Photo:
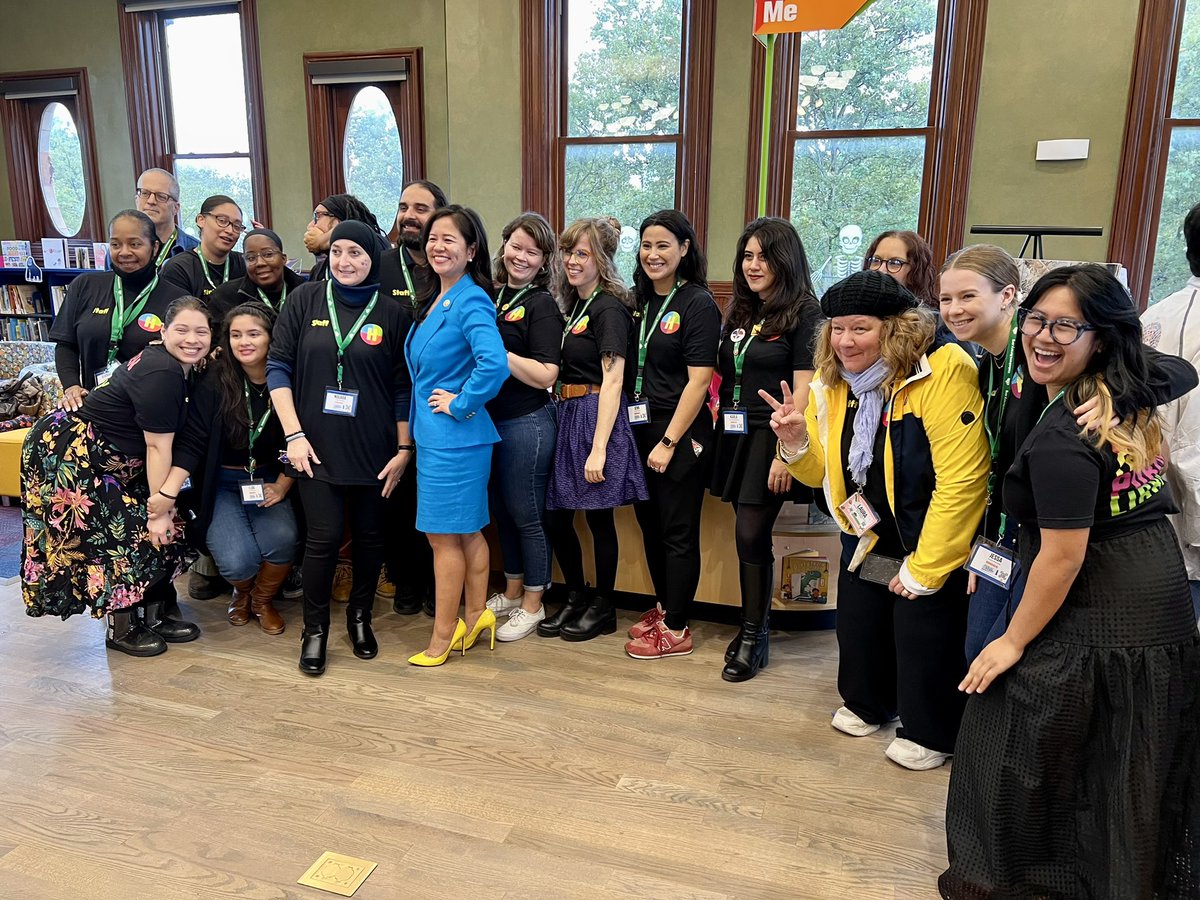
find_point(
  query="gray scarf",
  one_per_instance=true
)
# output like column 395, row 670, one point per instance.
column 867, row 386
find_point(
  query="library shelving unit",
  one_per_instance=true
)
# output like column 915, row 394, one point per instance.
column 28, row 308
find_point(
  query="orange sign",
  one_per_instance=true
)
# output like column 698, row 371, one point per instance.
column 786, row 16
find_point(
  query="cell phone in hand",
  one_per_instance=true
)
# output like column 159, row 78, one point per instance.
column 879, row 569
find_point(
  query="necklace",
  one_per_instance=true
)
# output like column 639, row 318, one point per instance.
column 258, row 392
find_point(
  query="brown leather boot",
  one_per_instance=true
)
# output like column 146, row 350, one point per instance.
column 239, row 602
column 270, row 578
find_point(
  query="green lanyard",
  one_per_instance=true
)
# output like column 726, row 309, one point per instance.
column 207, row 273
column 255, row 430
column 505, row 308
column 576, row 319
column 263, row 297
column 644, row 342
column 412, row 293
column 344, row 342
column 166, row 250
column 121, row 318
column 1010, row 356
column 739, row 360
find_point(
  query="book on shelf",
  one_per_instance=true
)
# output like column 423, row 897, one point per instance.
column 58, row 296
column 54, row 253
column 15, row 253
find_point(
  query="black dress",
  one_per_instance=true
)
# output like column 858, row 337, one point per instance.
column 1077, row 773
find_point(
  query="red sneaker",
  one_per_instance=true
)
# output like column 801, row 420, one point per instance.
column 659, row 642
column 646, row 622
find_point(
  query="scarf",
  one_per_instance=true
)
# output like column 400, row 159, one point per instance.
column 867, row 386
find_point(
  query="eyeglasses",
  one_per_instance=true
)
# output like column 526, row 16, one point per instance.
column 267, row 256
column 224, row 222
column 1063, row 332
column 893, row 265
column 143, row 194
column 317, row 216
column 580, row 256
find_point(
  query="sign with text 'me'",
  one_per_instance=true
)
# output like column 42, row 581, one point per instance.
column 786, row 16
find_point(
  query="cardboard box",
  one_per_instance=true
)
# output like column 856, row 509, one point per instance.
column 805, row 578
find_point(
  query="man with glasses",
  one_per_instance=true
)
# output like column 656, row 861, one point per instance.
column 157, row 195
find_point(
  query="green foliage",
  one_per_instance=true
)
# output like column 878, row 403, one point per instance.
column 1181, row 191
column 199, row 179
column 1186, row 103
column 371, row 155
column 66, row 173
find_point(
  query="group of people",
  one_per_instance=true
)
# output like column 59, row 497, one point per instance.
column 1009, row 586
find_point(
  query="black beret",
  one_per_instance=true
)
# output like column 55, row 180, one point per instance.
column 867, row 293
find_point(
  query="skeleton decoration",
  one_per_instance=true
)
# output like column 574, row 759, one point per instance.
column 843, row 263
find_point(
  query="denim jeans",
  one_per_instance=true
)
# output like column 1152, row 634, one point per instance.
column 991, row 607
column 520, row 470
column 242, row 536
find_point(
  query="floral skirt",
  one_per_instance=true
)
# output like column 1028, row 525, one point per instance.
column 86, row 543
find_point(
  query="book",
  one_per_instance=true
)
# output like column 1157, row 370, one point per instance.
column 15, row 253
column 100, row 255
column 54, row 253
column 58, row 296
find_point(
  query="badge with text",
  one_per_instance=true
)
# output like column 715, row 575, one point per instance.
column 859, row 513
column 734, row 421
column 340, row 403
column 150, row 322
column 252, row 490
column 639, row 413
column 102, row 375
column 991, row 562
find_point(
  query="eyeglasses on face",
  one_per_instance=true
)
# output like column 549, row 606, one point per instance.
column 143, row 194
column 319, row 215
column 580, row 256
column 224, row 222
column 1063, row 332
column 893, row 265
column 267, row 256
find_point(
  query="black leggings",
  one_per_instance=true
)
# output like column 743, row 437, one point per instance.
column 570, row 555
column 670, row 523
column 752, row 531
column 326, row 506
column 407, row 552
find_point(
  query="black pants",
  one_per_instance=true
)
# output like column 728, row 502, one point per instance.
column 407, row 552
column 570, row 555
column 904, row 657
column 670, row 523
column 327, row 506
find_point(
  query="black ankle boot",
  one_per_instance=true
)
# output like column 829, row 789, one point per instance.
column 753, row 645
column 206, row 587
column 733, row 645
column 571, row 610
column 125, row 633
column 156, row 616
column 599, row 618
column 407, row 602
column 362, row 638
column 312, row 650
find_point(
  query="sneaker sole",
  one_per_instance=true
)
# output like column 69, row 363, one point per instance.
column 660, row 655
column 516, row 637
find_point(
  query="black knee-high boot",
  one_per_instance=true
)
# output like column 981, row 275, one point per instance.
column 751, row 651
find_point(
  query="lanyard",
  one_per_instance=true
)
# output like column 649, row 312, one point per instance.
column 576, row 319
column 505, row 308
column 282, row 297
column 207, row 273
column 739, row 360
column 255, row 430
column 644, row 342
column 1004, row 516
column 344, row 342
column 166, row 250
column 121, row 318
column 1010, row 355
column 412, row 293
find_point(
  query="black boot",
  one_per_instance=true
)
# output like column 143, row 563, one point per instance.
column 407, row 602
column 599, row 618
column 206, row 587
column 429, row 603
column 125, row 633
column 312, row 649
column 571, row 610
column 159, row 616
column 733, row 645
column 362, row 638
column 752, row 649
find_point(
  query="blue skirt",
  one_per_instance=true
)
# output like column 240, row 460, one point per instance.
column 624, row 481
column 452, row 494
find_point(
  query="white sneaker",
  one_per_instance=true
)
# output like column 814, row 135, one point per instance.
column 520, row 624
column 499, row 604
column 904, row 752
column 848, row 722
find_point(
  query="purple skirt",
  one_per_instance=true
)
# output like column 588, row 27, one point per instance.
column 624, row 482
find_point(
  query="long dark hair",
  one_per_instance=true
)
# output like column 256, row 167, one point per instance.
column 348, row 208
column 693, row 267
column 793, row 279
column 479, row 268
column 922, row 279
column 231, row 376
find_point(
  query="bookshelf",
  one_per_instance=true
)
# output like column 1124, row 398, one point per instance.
column 28, row 309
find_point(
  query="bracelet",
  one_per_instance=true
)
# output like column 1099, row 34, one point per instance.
column 168, row 496
column 412, row 447
column 288, row 438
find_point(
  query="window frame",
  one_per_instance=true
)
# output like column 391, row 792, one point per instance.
column 1145, row 148
column 544, row 99
column 148, row 96
column 949, row 130
column 22, row 123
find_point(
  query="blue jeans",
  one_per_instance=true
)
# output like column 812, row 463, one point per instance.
column 520, row 471
column 1195, row 586
column 242, row 537
column 991, row 607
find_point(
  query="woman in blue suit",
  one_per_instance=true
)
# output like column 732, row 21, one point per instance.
column 458, row 363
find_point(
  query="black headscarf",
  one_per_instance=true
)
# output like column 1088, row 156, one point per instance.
column 361, row 234
column 267, row 233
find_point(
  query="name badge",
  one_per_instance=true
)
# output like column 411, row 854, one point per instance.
column 252, row 490
column 639, row 413
column 102, row 375
column 340, row 403
column 859, row 512
column 735, row 421
column 991, row 562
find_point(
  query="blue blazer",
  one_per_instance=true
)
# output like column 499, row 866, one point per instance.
column 456, row 348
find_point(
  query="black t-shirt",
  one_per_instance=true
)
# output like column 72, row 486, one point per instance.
column 687, row 335
column 83, row 326
column 1026, row 400
column 235, row 448
column 531, row 327
column 769, row 360
column 148, row 393
column 1060, row 480
column 237, row 291
column 391, row 278
column 875, row 490
column 187, row 273
column 351, row 450
column 603, row 328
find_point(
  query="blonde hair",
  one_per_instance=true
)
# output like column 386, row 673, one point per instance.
column 1136, row 441
column 903, row 340
column 603, row 233
column 993, row 263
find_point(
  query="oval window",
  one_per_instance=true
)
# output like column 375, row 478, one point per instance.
column 60, row 169
column 371, row 155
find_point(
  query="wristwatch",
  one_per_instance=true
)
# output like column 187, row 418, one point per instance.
column 667, row 442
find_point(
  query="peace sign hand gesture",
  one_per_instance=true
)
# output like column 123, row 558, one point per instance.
column 786, row 421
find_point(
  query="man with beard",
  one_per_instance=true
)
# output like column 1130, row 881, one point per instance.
column 403, row 275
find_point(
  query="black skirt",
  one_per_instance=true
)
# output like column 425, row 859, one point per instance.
column 1077, row 773
column 741, row 466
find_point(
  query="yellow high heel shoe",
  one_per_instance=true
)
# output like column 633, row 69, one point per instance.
column 420, row 659
column 487, row 619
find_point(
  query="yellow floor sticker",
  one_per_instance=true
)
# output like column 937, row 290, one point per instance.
column 337, row 874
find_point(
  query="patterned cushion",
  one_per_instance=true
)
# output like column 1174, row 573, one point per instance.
column 16, row 355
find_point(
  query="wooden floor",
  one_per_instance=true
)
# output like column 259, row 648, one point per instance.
column 544, row 769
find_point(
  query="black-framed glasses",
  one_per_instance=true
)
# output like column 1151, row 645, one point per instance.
column 893, row 265
column 267, row 256
column 224, row 222
column 143, row 194
column 318, row 216
column 1063, row 332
